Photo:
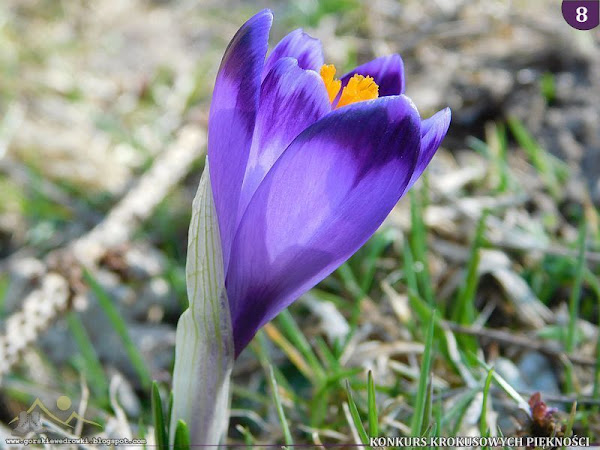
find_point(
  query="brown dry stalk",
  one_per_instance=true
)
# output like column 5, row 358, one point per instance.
column 504, row 337
column 55, row 289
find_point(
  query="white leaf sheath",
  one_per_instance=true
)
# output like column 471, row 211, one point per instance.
column 204, row 350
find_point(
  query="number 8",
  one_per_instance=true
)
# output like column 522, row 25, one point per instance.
column 581, row 14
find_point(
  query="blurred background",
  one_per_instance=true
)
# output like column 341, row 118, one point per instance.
column 103, row 109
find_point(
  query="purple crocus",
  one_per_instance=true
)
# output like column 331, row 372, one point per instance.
column 304, row 167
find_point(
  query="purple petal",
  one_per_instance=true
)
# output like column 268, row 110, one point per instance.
column 324, row 197
column 299, row 45
column 433, row 131
column 231, row 119
column 291, row 99
column 387, row 71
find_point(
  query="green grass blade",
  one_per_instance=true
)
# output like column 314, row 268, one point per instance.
column 457, row 411
column 292, row 330
column 596, row 391
column 352, row 286
column 287, row 436
column 570, row 422
column 364, row 437
column 494, row 149
column 248, row 438
column 506, row 387
column 465, row 302
column 329, row 359
column 419, row 410
column 502, row 152
column 501, row 434
column 373, row 417
column 547, row 166
column 409, row 268
column 141, row 431
column 479, row 146
column 319, row 406
column 4, row 285
column 92, row 366
column 350, row 281
column 169, row 415
column 548, row 86
column 437, row 413
column 576, row 292
column 335, row 373
column 259, row 346
column 290, row 350
column 418, row 238
column 376, row 246
column 427, row 413
column 160, row 426
column 341, row 374
column 574, row 302
column 594, row 284
column 182, row 436
column 121, row 328
column 484, row 429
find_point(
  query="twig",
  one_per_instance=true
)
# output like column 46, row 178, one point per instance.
column 39, row 308
column 45, row 303
column 58, row 430
column 168, row 169
column 567, row 399
column 557, row 398
column 527, row 342
column 85, row 395
column 124, row 428
column 555, row 250
column 350, row 421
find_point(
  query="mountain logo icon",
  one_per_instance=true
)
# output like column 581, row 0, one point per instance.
column 30, row 420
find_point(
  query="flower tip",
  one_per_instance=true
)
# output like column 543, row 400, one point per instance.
column 304, row 34
column 445, row 117
column 410, row 103
column 396, row 59
column 265, row 14
column 266, row 11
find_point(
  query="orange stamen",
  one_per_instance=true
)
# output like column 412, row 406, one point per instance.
column 359, row 87
column 331, row 84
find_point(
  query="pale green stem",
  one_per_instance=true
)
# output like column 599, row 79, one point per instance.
column 204, row 350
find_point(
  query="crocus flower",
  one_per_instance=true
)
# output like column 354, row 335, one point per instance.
column 304, row 167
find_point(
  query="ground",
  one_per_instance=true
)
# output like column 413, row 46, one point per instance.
column 500, row 237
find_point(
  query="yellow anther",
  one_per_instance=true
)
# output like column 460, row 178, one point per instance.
column 331, row 84
column 359, row 88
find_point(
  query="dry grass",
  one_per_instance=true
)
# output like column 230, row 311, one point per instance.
column 91, row 94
